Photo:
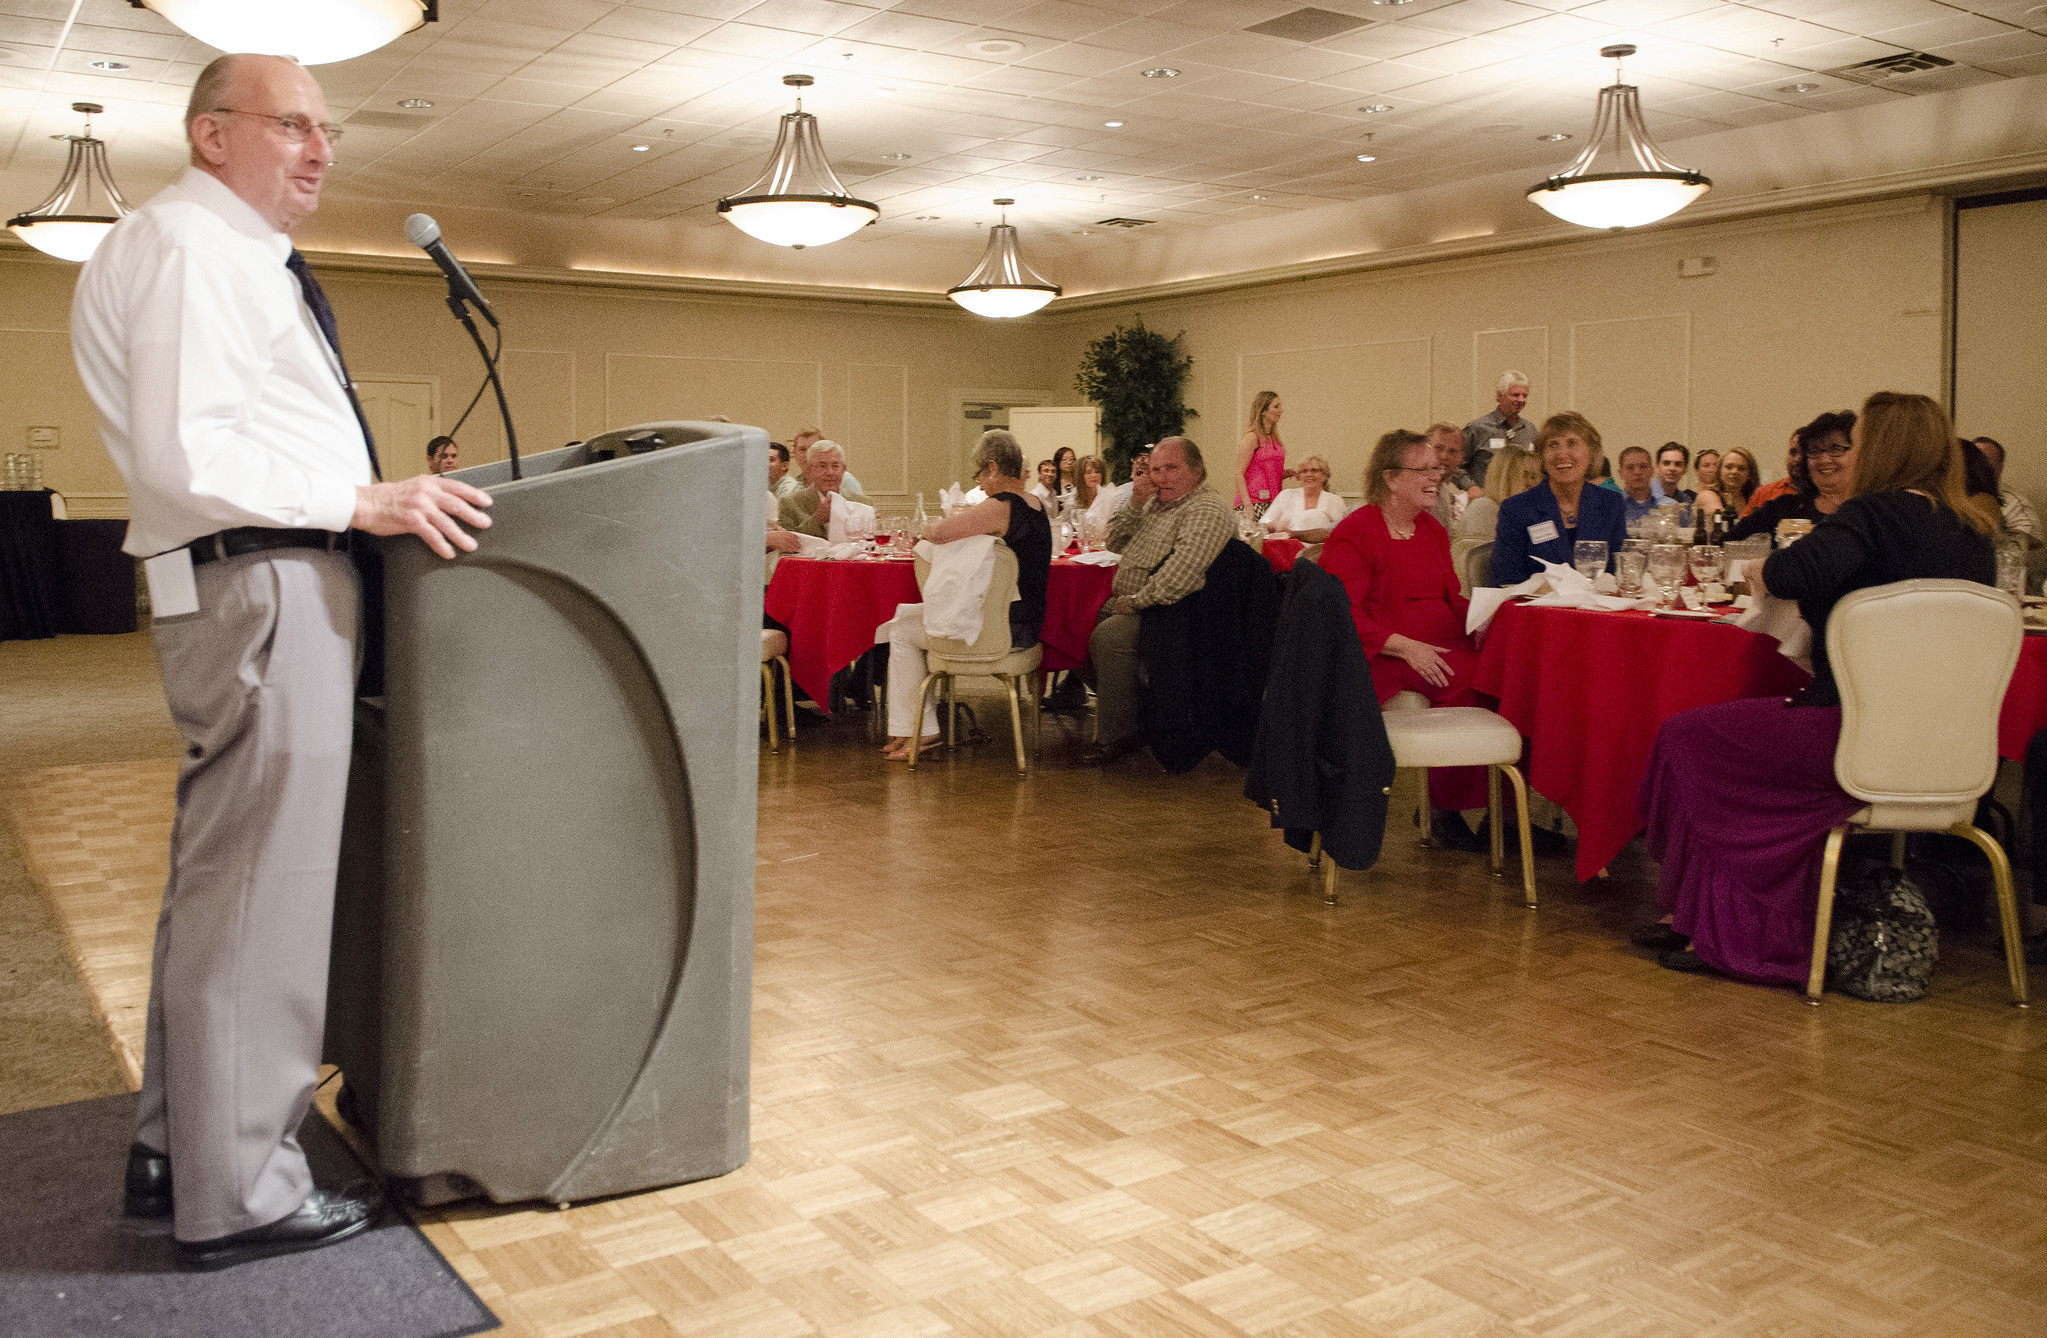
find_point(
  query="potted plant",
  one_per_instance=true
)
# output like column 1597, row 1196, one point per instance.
column 1136, row 375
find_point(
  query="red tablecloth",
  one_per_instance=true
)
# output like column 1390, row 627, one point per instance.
column 832, row 608
column 1282, row 552
column 1589, row 690
column 2025, row 700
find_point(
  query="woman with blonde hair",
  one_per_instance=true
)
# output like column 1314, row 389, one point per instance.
column 1735, row 485
column 1740, row 796
column 1393, row 557
column 1261, row 456
column 1307, row 512
column 1512, row 472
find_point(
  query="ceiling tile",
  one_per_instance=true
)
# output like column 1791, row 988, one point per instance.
column 742, row 39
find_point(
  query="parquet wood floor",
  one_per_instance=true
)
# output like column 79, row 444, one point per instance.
column 1085, row 1054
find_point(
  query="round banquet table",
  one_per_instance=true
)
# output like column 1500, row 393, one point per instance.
column 1282, row 552
column 2025, row 699
column 1589, row 690
column 832, row 609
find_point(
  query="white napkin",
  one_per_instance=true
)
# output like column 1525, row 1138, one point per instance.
column 1781, row 619
column 811, row 547
column 950, row 500
column 1555, row 587
column 1099, row 558
column 844, row 513
column 957, row 585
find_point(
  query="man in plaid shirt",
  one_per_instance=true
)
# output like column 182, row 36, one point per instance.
column 1169, row 534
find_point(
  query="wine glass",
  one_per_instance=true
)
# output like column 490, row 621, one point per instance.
column 1629, row 569
column 1707, row 563
column 1589, row 557
column 1667, row 568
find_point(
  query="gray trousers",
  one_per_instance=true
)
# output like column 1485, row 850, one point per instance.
column 1112, row 650
column 260, row 681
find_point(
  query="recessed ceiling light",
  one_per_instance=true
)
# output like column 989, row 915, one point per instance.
column 1162, row 72
column 998, row 46
column 642, row 148
column 108, row 64
column 1500, row 129
column 1554, row 137
column 416, row 104
column 1112, row 125
column 884, row 92
column 1367, row 158
column 1392, row 2
column 897, row 157
column 595, row 199
column 1258, row 197
column 1374, row 108
column 927, row 218
column 1799, row 88
column 1087, row 178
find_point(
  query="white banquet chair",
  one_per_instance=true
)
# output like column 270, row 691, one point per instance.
column 1922, row 667
column 774, row 661
column 988, row 656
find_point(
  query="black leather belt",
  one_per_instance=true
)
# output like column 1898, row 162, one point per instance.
column 258, row 539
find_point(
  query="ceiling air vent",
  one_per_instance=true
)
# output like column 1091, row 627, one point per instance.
column 383, row 120
column 1126, row 222
column 1307, row 25
column 1890, row 67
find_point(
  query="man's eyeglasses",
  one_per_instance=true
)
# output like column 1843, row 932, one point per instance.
column 296, row 128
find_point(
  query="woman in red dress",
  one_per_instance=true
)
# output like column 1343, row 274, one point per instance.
column 1394, row 559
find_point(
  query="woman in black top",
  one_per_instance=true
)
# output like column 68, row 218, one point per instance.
column 1014, row 515
column 1739, row 796
column 1822, row 477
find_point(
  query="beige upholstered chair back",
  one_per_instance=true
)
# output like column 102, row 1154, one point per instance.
column 1922, row 667
column 993, row 642
column 1474, row 562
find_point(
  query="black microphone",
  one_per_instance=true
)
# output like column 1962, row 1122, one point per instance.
column 423, row 232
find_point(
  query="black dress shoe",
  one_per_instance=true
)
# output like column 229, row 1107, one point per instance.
column 1661, row 937
column 325, row 1218
column 1102, row 754
column 147, row 1192
column 1681, row 959
column 1448, row 828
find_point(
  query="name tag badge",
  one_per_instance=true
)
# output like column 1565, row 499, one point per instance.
column 172, row 592
column 1542, row 533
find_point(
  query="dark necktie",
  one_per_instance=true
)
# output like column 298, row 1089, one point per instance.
column 323, row 315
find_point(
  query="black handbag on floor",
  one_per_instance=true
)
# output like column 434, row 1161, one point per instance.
column 1884, row 944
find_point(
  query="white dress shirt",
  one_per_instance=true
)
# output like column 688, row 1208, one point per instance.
column 219, row 399
column 1290, row 511
column 1109, row 499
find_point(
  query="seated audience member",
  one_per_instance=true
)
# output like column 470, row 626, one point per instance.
column 1172, row 530
column 1044, row 489
column 443, row 456
column 1601, row 473
column 781, row 482
column 1063, row 461
column 1739, row 797
column 1543, row 523
column 1459, row 488
column 2020, row 517
column 1020, row 520
column 799, row 462
column 1393, row 558
column 1707, row 470
column 1671, row 463
column 1637, row 484
column 808, row 510
column 1820, row 474
column 1979, row 476
column 1512, row 473
column 1307, row 511
column 1103, row 498
column 1738, row 475
column 1766, row 493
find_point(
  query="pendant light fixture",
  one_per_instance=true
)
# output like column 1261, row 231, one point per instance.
column 1002, row 284
column 312, row 32
column 1647, row 186
column 798, row 201
column 78, row 215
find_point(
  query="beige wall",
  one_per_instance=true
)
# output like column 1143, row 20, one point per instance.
column 1805, row 313
column 2001, row 336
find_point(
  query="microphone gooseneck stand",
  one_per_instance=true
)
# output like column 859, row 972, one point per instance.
column 490, row 371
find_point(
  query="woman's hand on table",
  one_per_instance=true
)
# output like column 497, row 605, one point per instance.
column 1423, row 658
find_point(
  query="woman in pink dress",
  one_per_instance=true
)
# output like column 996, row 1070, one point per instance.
column 1261, row 456
column 1393, row 558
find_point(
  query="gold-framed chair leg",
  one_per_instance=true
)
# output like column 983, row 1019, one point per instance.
column 952, row 715
column 1497, row 846
column 1521, row 826
column 768, row 706
column 1315, row 852
column 917, row 725
column 1421, row 810
column 1329, row 882
column 1013, row 686
column 2007, row 907
column 788, row 697
column 1038, row 714
column 1897, row 850
column 1823, row 922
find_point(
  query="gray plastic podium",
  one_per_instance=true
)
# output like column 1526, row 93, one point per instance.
column 543, row 934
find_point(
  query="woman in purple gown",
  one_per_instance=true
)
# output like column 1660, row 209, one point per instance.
column 1739, row 796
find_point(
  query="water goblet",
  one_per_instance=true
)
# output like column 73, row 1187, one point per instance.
column 1629, row 569
column 1667, row 568
column 1589, row 557
column 1708, row 563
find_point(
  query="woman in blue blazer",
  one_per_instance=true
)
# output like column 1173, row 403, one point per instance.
column 1540, row 525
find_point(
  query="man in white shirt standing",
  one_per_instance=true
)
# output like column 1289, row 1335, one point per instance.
column 212, row 358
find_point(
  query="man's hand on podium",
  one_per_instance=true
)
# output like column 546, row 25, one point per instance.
column 428, row 506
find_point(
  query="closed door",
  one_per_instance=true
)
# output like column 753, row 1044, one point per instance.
column 403, row 414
